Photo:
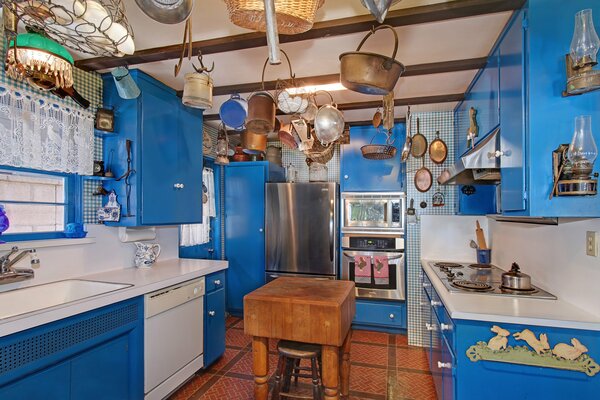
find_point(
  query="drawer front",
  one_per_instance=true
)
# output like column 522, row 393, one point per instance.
column 215, row 281
column 382, row 314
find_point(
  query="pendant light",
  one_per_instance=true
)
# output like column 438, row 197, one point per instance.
column 44, row 63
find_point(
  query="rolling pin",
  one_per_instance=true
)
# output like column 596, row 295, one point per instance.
column 480, row 237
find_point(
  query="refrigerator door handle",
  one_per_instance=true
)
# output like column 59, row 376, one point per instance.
column 331, row 229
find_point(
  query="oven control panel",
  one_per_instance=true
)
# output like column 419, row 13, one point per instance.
column 372, row 243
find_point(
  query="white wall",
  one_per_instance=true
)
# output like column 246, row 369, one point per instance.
column 447, row 237
column 107, row 253
column 554, row 256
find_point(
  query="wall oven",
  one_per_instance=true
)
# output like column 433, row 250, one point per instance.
column 376, row 265
column 371, row 212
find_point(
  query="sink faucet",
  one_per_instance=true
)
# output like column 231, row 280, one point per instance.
column 8, row 274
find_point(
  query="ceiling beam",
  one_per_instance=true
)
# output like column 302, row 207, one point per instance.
column 370, row 122
column 411, row 101
column 411, row 70
column 343, row 26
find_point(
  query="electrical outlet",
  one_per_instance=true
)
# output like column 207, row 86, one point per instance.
column 591, row 243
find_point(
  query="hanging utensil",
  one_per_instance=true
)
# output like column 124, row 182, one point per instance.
column 411, row 214
column 167, row 11
column 329, row 122
column 233, row 112
column 419, row 143
column 379, row 151
column 377, row 119
column 388, row 111
column 408, row 142
column 186, row 45
column 127, row 176
column 438, row 151
column 423, row 178
column 438, row 199
column 379, row 8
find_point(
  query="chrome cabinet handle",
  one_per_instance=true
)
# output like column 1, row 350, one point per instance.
column 435, row 303
column 426, row 285
column 444, row 365
column 211, row 313
column 430, row 327
column 179, row 186
column 217, row 282
column 445, row 327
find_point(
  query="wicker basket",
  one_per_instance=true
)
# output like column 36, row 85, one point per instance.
column 293, row 16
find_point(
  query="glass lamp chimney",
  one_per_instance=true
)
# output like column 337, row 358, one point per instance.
column 582, row 150
column 585, row 43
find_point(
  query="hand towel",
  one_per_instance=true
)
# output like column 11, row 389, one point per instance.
column 195, row 234
column 362, row 269
column 381, row 270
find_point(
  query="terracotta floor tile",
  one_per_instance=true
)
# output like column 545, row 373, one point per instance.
column 230, row 389
column 192, row 386
column 224, row 360
column 237, row 338
column 412, row 357
column 369, row 354
column 233, row 321
column 368, row 380
column 244, row 364
column 370, row 337
column 414, row 386
column 401, row 340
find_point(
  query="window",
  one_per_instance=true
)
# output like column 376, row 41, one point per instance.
column 37, row 204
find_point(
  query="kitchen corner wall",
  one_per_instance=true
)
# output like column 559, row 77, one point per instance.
column 430, row 123
column 554, row 256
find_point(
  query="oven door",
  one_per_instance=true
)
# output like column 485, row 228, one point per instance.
column 372, row 286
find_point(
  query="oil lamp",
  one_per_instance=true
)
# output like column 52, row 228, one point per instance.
column 222, row 149
column 585, row 44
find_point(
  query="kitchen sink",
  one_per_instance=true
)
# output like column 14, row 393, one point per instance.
column 35, row 298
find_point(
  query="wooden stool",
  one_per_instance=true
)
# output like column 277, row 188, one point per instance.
column 290, row 356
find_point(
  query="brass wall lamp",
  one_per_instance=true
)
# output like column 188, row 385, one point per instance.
column 581, row 77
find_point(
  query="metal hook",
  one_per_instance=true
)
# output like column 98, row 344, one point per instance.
column 203, row 69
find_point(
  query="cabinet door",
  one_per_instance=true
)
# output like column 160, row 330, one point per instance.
column 189, row 166
column 512, row 118
column 50, row 384
column 159, row 127
column 103, row 373
column 447, row 371
column 359, row 174
column 244, row 232
column 436, row 354
column 214, row 328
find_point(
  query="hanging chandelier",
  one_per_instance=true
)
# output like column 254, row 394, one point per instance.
column 40, row 61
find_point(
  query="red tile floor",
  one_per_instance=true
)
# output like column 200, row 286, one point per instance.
column 383, row 367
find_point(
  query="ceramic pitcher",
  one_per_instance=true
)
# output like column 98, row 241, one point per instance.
column 146, row 254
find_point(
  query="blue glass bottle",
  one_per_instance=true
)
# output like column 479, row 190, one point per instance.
column 4, row 222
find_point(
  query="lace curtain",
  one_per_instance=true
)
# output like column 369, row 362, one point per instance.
column 40, row 135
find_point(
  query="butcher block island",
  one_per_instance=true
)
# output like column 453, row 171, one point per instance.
column 303, row 310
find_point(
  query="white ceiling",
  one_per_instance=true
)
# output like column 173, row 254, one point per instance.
column 448, row 40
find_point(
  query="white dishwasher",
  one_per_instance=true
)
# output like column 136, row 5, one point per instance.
column 173, row 337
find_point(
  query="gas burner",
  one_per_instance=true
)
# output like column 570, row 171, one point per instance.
column 472, row 286
column 518, row 291
column 480, row 266
column 447, row 265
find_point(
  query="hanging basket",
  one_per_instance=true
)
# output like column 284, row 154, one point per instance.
column 293, row 16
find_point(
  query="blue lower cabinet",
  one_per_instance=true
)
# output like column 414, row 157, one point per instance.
column 97, row 355
column 447, row 369
column 386, row 315
column 214, row 321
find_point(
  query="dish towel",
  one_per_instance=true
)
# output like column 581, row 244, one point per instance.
column 362, row 269
column 195, row 234
column 381, row 270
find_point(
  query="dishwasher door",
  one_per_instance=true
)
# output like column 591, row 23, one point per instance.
column 173, row 331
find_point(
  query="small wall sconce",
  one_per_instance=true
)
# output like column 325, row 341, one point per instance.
column 581, row 78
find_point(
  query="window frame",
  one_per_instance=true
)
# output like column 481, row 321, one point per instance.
column 73, row 202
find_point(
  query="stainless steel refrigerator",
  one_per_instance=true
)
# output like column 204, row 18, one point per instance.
column 301, row 230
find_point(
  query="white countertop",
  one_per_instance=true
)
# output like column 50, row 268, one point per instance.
column 540, row 312
column 143, row 280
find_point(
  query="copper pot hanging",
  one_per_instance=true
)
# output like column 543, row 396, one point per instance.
column 254, row 142
column 261, row 113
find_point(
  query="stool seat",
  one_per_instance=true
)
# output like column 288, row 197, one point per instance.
column 298, row 350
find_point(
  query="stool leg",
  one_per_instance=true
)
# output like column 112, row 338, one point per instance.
column 287, row 375
column 315, row 379
column 277, row 387
column 296, row 371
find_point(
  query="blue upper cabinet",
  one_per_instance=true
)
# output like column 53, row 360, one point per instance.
column 357, row 174
column 166, row 148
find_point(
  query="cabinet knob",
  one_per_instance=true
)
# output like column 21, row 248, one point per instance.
column 181, row 186
column 178, row 186
column 444, row 365
column 392, row 316
column 346, row 176
column 430, row 327
column 426, row 285
column 435, row 303
column 260, row 229
column 445, row 327
column 217, row 282
column 211, row 313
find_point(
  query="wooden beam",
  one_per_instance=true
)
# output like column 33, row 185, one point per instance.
column 445, row 98
column 370, row 122
column 343, row 26
column 411, row 70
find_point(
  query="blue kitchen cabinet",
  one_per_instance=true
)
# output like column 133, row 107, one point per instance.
column 245, row 227
column 388, row 316
column 166, row 148
column 457, row 377
column 214, row 317
column 358, row 174
column 90, row 356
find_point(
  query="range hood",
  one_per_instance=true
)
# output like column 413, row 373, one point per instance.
column 478, row 166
